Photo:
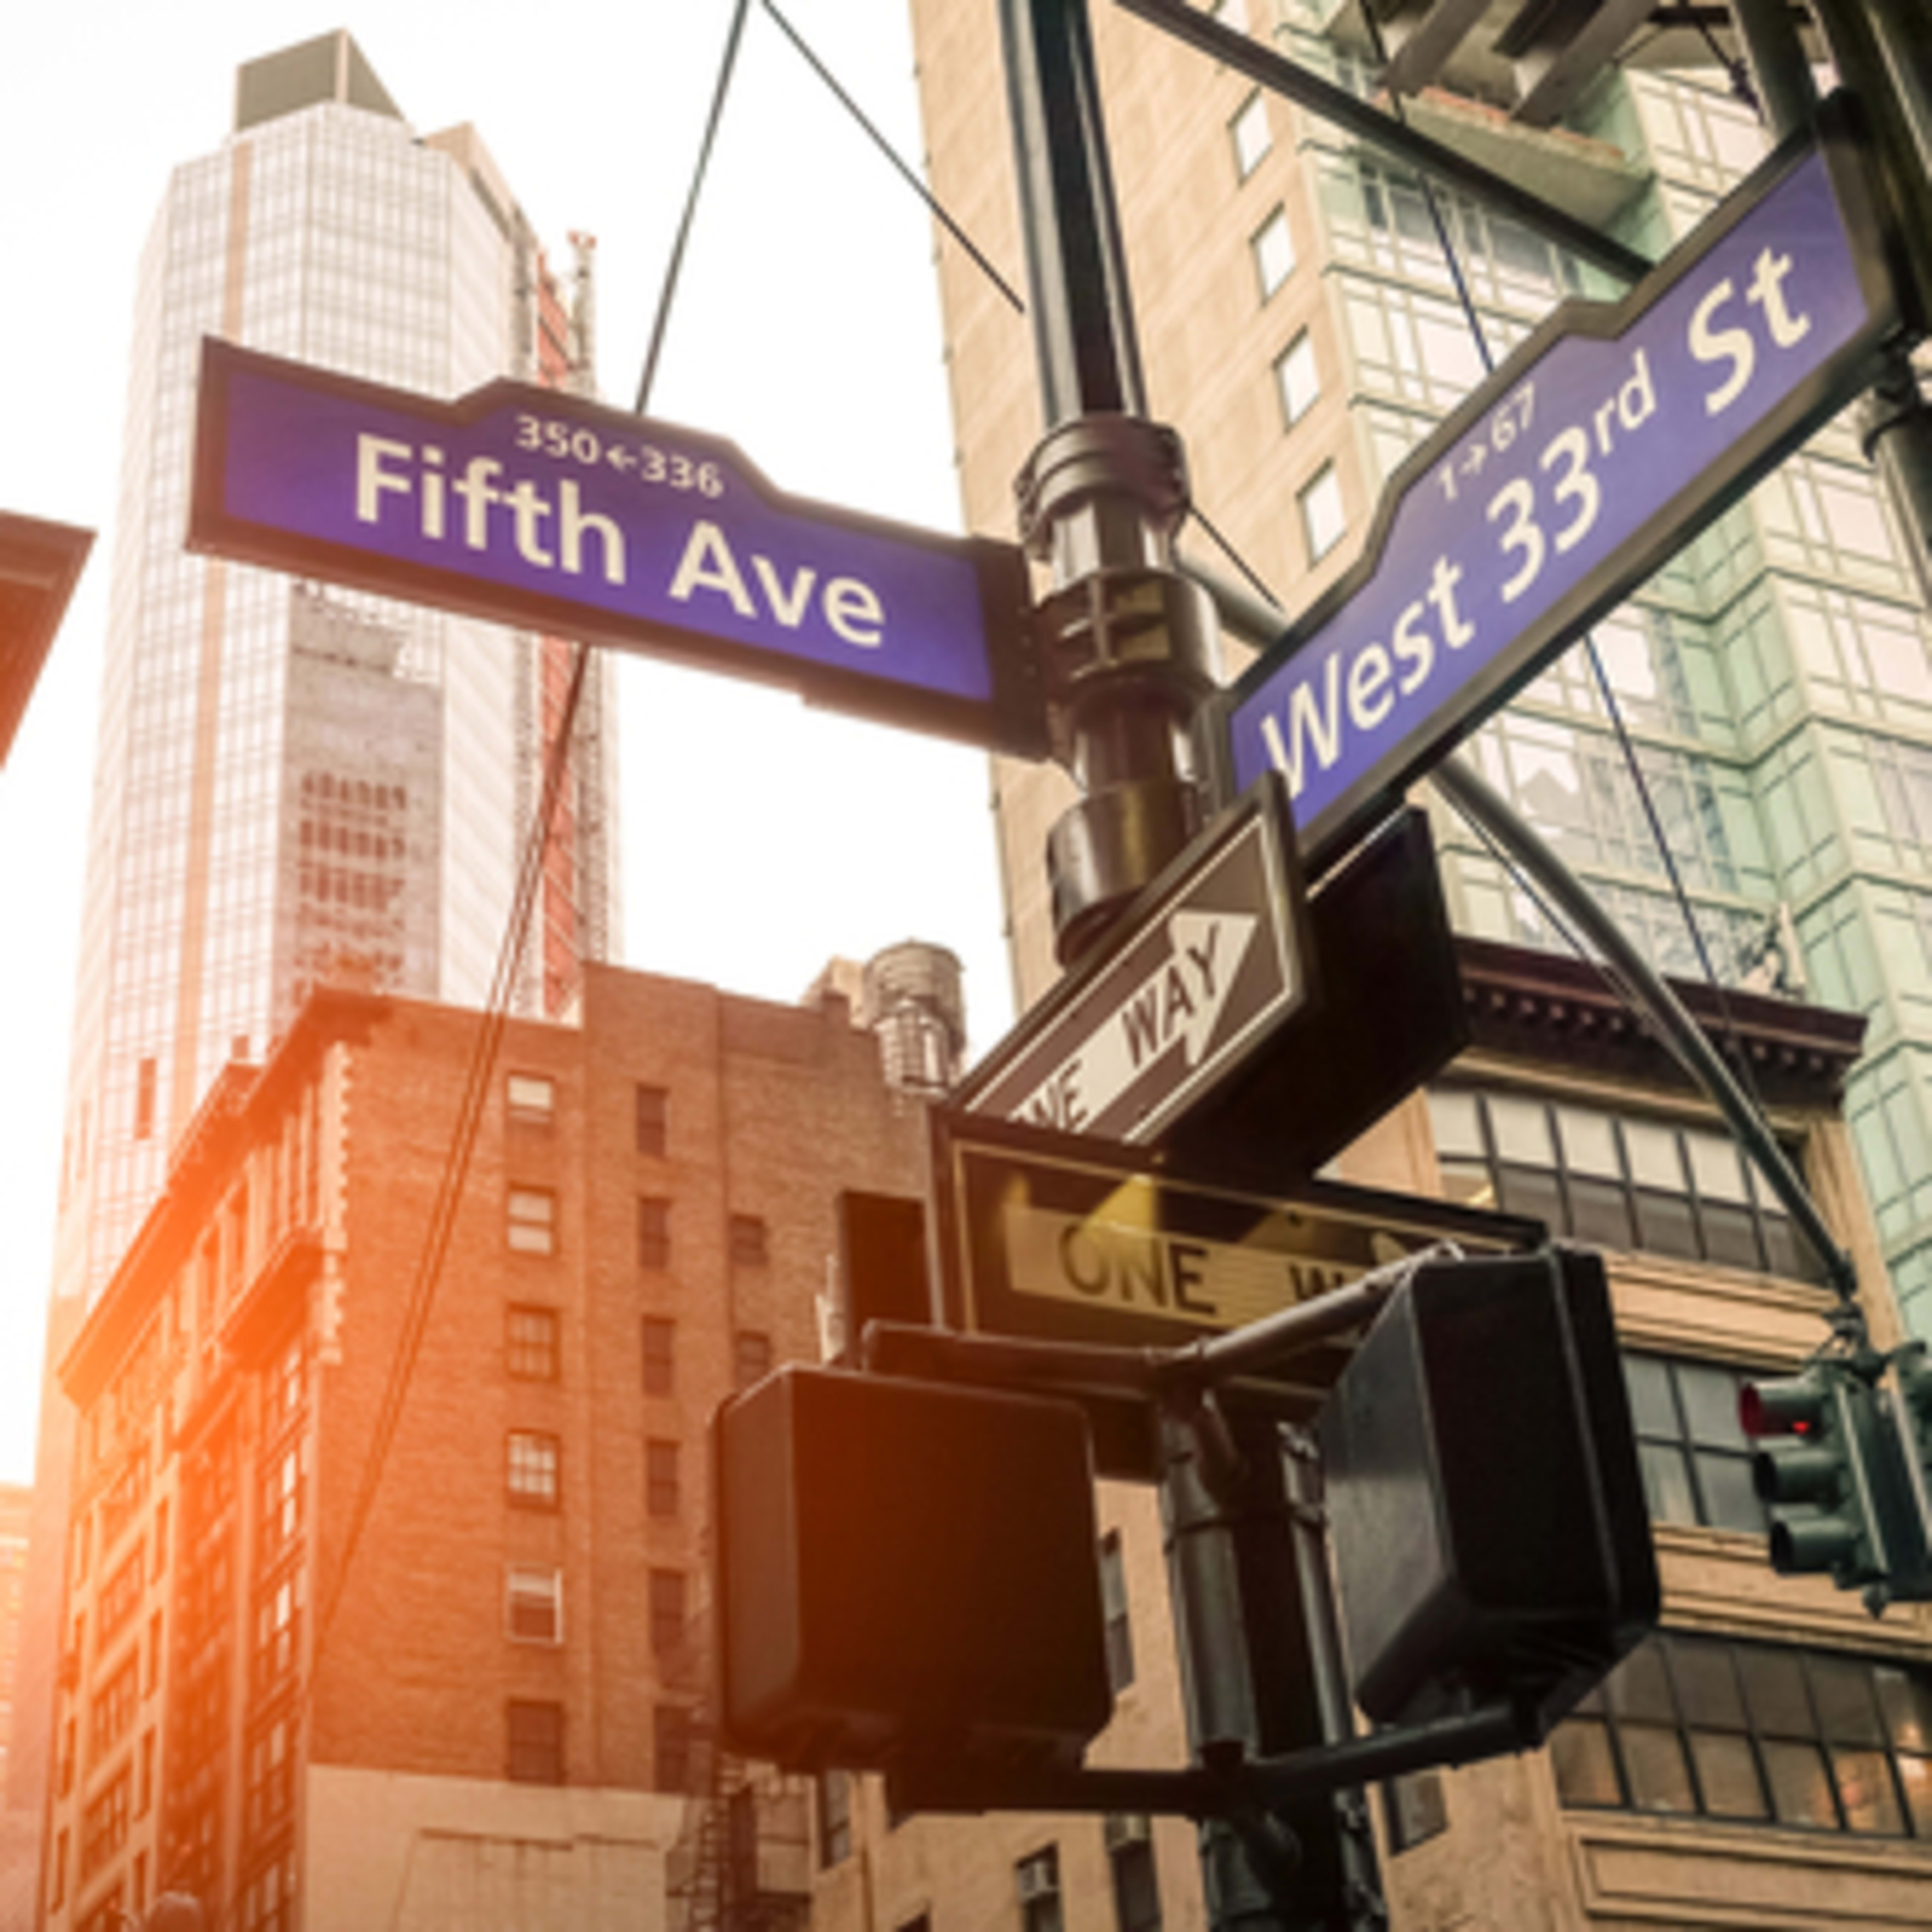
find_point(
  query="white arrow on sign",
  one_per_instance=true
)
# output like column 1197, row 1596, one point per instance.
column 1178, row 1004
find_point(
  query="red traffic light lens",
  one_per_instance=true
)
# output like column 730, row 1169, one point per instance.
column 1756, row 1416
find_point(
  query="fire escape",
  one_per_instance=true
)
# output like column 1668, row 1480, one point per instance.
column 743, row 1861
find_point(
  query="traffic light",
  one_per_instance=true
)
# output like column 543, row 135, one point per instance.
column 1487, row 1513
column 905, row 1566
column 1824, row 1484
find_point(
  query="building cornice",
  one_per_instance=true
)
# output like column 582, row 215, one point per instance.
column 1563, row 1012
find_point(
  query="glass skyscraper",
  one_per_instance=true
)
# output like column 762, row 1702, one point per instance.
column 294, row 781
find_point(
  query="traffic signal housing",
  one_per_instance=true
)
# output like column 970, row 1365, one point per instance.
column 1490, row 1535
column 1820, row 1473
column 905, row 1567
column 1846, row 1478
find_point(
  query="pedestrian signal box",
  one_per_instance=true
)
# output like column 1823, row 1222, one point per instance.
column 905, row 1568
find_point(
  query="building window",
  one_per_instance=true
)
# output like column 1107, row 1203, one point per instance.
column 278, row 1631
column 103, row 1826
column 1129, row 1840
column 268, row 1781
column 835, row 1817
column 1322, row 521
column 751, row 1353
column 1037, row 1879
column 144, row 1099
column 1273, row 248
column 530, row 1342
column 111, row 1715
column 1415, row 1809
column 1251, row 134
column 532, row 1220
column 57, row 1874
column 533, row 1603
column 1615, row 1181
column 660, row 1361
column 660, row 1498
column 747, row 1241
column 279, row 1519
column 268, row 1902
column 653, row 1113
column 1113, row 1607
column 531, row 1097
column 1696, row 1455
column 120, row 1597
column 536, row 1731
column 1754, row 1734
column 1297, row 378
column 670, row 1748
column 668, row 1615
column 533, row 1474
column 653, row 1231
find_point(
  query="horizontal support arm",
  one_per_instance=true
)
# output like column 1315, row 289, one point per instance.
column 957, row 1785
column 1323, row 98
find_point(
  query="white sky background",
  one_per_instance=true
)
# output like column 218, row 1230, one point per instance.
column 758, row 837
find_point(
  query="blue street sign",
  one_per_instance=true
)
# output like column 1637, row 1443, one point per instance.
column 1611, row 437
column 531, row 507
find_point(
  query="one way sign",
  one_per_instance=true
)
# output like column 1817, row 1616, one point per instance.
column 1198, row 973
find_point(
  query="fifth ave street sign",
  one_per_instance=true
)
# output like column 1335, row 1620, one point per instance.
column 532, row 507
column 1611, row 437
column 1196, row 974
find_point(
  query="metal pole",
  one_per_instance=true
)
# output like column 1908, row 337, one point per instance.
column 1472, row 796
column 1780, row 72
column 1129, row 647
column 1328, row 1674
column 1217, row 1682
column 1882, row 57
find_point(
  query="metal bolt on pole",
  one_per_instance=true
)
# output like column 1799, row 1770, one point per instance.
column 1129, row 646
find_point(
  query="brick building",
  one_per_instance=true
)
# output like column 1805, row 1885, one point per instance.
column 487, row 1716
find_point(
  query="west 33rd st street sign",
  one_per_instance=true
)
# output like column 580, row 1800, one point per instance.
column 1594, row 454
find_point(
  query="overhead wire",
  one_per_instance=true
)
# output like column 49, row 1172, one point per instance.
column 907, row 173
column 674, row 268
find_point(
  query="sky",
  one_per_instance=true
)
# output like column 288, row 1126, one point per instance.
column 759, row 838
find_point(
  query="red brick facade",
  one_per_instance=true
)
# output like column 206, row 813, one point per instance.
column 647, row 1215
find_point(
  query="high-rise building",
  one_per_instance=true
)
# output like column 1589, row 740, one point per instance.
column 474, row 1695
column 293, row 780
column 1299, row 325
column 296, row 783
